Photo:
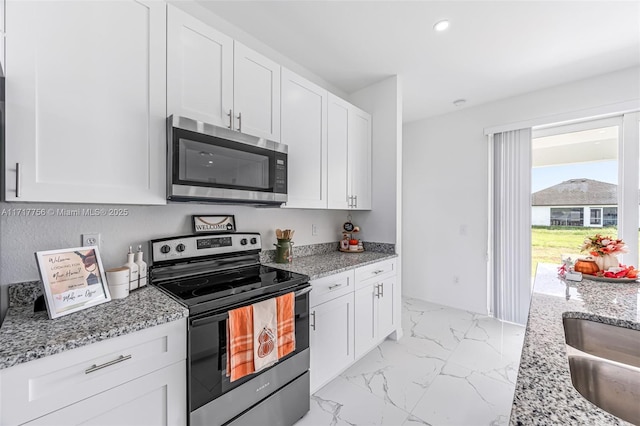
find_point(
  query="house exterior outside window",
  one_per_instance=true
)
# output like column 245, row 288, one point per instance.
column 576, row 202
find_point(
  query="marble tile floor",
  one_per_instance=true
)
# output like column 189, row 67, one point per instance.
column 451, row 367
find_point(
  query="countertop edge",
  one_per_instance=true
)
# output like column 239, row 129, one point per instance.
column 293, row 267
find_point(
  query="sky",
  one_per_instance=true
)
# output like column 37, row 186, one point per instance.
column 544, row 177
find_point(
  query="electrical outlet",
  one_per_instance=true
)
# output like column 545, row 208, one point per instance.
column 456, row 279
column 92, row 239
column 314, row 229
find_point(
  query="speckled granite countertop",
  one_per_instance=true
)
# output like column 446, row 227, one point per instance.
column 26, row 336
column 320, row 265
column 544, row 394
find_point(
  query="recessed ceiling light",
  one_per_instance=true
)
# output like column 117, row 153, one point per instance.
column 441, row 25
column 459, row 102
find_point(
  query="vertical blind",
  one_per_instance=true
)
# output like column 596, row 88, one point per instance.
column 510, row 265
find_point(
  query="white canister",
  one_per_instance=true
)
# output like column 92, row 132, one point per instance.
column 118, row 281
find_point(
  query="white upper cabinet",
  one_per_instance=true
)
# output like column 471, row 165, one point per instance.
column 338, row 129
column 199, row 70
column 349, row 148
column 304, row 130
column 256, row 93
column 360, row 158
column 214, row 79
column 86, row 101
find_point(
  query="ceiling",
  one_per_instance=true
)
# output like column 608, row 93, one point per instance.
column 492, row 50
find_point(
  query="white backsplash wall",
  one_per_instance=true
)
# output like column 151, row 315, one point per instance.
column 23, row 235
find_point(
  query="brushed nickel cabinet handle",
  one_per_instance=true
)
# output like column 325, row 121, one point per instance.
column 18, row 181
column 331, row 287
column 355, row 201
column 94, row 367
column 239, row 121
column 230, row 115
column 381, row 289
column 313, row 315
column 378, row 271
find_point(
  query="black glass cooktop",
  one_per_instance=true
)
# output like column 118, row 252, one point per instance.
column 219, row 289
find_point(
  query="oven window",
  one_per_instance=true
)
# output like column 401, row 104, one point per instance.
column 222, row 166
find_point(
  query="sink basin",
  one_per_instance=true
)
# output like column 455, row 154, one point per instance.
column 604, row 361
column 603, row 340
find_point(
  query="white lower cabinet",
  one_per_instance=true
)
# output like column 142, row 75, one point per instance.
column 136, row 379
column 374, row 320
column 156, row 399
column 351, row 312
column 331, row 339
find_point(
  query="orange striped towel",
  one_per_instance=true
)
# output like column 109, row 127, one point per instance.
column 240, row 343
column 286, row 324
column 240, row 336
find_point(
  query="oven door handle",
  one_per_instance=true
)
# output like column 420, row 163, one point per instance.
column 209, row 319
column 303, row 291
column 219, row 317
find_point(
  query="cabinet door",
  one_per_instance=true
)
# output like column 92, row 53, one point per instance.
column 157, row 399
column 256, row 93
column 199, row 70
column 386, row 305
column 304, row 130
column 360, row 158
column 366, row 301
column 86, row 101
column 338, row 132
column 331, row 339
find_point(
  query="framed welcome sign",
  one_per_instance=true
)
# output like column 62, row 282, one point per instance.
column 73, row 279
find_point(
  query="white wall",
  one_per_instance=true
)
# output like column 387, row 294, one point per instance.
column 384, row 101
column 445, row 166
column 541, row 215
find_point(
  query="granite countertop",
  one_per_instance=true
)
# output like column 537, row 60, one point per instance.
column 26, row 336
column 544, row 394
column 321, row 265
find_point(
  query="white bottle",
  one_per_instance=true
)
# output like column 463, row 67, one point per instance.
column 142, row 268
column 133, row 270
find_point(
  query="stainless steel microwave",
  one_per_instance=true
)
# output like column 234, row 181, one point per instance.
column 207, row 163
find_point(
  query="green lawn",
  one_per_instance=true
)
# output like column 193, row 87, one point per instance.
column 550, row 242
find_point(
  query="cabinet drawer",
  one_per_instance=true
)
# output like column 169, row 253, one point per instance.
column 374, row 271
column 38, row 387
column 328, row 288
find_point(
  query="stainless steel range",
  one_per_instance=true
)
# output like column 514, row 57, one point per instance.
column 211, row 275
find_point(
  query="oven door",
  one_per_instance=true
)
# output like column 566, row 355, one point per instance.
column 206, row 162
column 208, row 359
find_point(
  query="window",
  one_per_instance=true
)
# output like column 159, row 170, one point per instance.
column 595, row 217
column 567, row 216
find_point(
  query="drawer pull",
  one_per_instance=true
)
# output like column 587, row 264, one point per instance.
column 107, row 364
column 378, row 271
column 331, row 287
column 313, row 325
column 18, row 181
column 381, row 289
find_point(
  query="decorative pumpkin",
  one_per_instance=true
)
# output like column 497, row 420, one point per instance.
column 586, row 266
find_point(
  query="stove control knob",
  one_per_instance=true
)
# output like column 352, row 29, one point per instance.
column 254, row 241
column 180, row 248
column 165, row 249
column 243, row 241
